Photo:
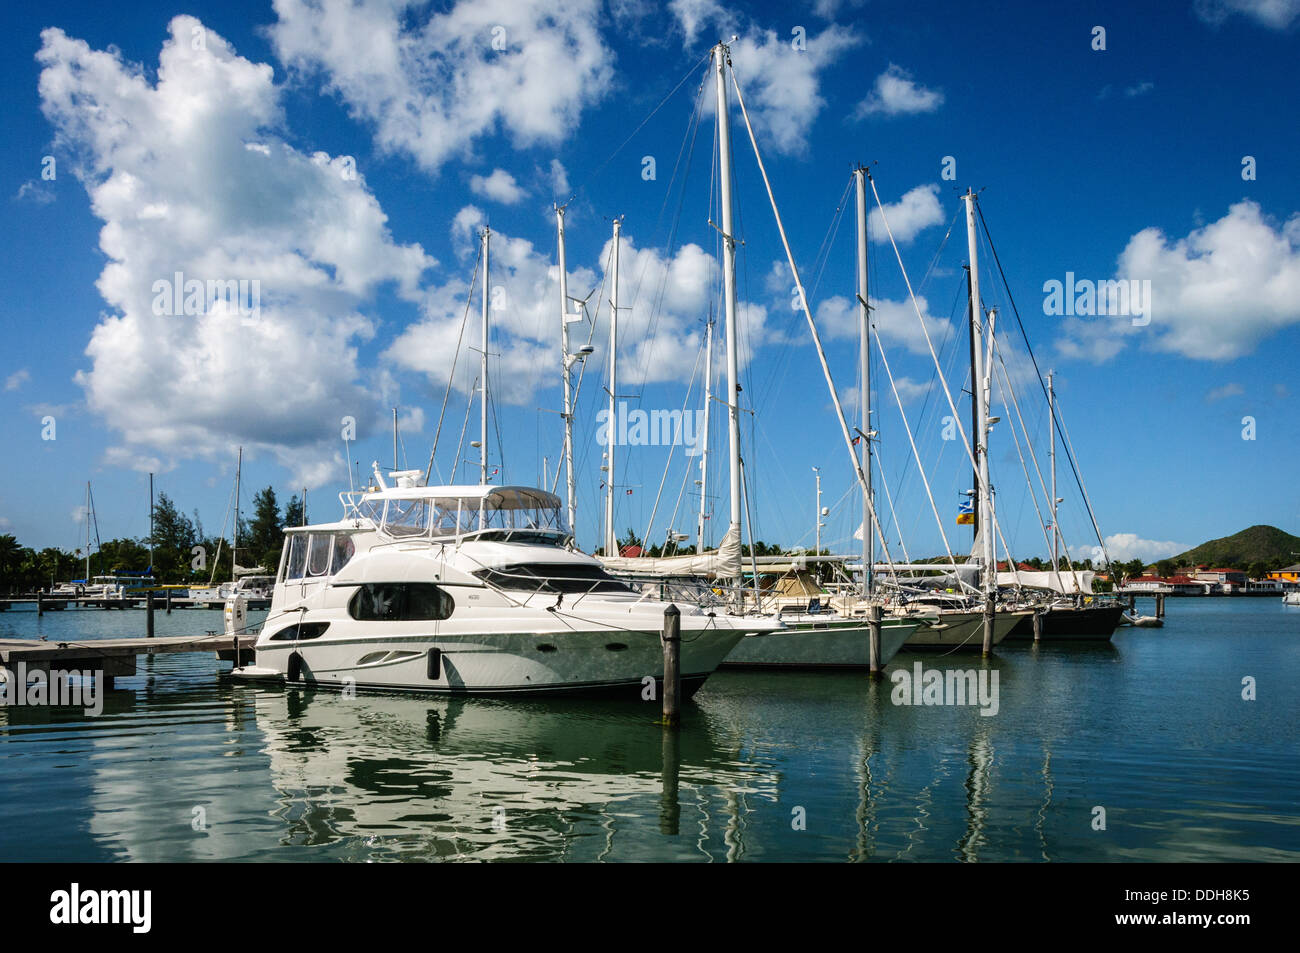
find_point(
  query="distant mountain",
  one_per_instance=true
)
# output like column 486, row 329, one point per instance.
column 1262, row 544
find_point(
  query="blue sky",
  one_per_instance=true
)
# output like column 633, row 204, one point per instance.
column 235, row 159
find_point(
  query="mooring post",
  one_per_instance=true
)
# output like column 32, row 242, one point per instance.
column 873, row 627
column 1038, row 625
column 1160, row 605
column 1132, row 603
column 40, row 604
column 167, row 595
column 988, row 623
column 148, row 614
column 672, row 664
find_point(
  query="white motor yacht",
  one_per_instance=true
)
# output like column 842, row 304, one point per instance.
column 468, row 589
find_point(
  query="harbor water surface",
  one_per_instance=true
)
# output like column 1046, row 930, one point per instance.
column 1149, row 735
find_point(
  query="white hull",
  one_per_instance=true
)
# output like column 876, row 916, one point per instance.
column 833, row 643
column 520, row 663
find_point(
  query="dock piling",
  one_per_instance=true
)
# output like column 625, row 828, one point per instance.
column 988, row 624
column 148, row 614
column 873, row 626
column 1038, row 625
column 40, row 605
column 167, row 595
column 672, row 639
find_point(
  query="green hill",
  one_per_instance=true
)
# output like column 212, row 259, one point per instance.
column 1258, row 544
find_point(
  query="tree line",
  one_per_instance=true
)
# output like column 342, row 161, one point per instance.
column 183, row 552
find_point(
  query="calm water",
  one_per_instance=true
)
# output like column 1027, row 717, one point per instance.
column 1152, row 728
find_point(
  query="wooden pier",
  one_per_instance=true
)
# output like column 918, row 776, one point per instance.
column 113, row 657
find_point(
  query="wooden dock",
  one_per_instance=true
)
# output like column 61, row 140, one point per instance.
column 113, row 657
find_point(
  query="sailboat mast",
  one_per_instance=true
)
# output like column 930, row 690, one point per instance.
column 611, row 536
column 87, row 532
column 864, row 338
column 483, row 370
column 395, row 466
column 708, row 412
column 570, row 484
column 1051, row 426
column 234, row 545
column 151, row 522
column 720, row 56
column 984, row 532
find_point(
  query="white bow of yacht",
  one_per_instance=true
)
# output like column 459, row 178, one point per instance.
column 468, row 589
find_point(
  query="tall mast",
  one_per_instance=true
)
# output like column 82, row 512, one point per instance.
column 570, row 484
column 87, row 532
column 611, row 535
column 984, row 532
column 234, row 546
column 708, row 412
column 721, row 54
column 976, row 509
column 1051, row 425
column 483, row 370
column 395, row 466
column 151, row 521
column 864, row 338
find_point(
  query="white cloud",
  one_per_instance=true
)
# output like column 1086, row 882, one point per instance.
column 500, row 186
column 169, row 171
column 34, row 191
column 782, row 85
column 1274, row 14
column 1141, row 89
column 895, row 322
column 1223, row 393
column 916, row 211
column 897, row 94
column 1124, row 547
column 1215, row 294
column 17, row 379
column 434, row 84
column 559, row 180
column 694, row 15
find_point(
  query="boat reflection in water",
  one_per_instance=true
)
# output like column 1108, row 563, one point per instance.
column 481, row 779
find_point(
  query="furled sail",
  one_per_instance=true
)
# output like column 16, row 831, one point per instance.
column 725, row 563
column 1066, row 581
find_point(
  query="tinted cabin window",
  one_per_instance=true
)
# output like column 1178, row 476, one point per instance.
column 400, row 602
column 305, row 630
column 543, row 577
column 343, row 550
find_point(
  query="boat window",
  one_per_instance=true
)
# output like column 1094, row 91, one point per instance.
column 300, row 631
column 400, row 602
column 297, row 562
column 552, row 577
column 407, row 517
column 318, row 554
column 343, row 550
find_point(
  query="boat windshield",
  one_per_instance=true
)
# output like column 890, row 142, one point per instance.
column 508, row 510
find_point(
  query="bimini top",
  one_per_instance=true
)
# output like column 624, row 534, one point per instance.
column 504, row 512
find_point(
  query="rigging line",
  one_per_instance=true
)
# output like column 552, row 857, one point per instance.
column 1006, row 372
column 692, row 134
column 812, row 325
column 1032, row 495
column 672, row 450
column 687, row 75
column 460, row 444
column 889, row 497
column 943, row 244
column 1065, row 434
column 884, row 218
column 469, row 301
column 884, row 360
column 1041, row 383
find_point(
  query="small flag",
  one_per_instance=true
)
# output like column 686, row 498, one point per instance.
column 966, row 514
column 629, row 492
column 856, row 441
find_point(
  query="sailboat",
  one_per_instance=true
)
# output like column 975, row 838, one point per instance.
column 468, row 589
